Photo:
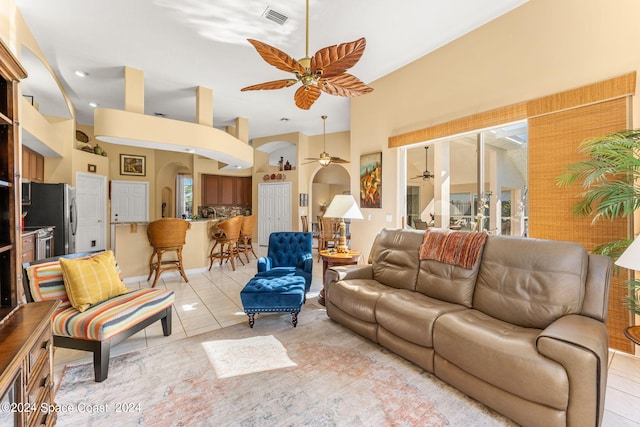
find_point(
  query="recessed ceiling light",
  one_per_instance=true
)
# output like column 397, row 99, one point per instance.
column 238, row 167
column 93, row 104
column 189, row 150
column 159, row 114
column 284, row 119
column 81, row 73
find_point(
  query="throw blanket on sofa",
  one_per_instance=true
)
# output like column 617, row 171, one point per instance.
column 459, row 248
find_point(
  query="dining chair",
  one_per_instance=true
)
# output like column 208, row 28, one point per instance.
column 225, row 236
column 328, row 235
column 305, row 223
column 166, row 235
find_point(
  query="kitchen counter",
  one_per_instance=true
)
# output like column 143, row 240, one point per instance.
column 133, row 250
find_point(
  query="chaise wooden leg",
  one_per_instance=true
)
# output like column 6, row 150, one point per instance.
column 294, row 318
column 101, row 361
column 166, row 322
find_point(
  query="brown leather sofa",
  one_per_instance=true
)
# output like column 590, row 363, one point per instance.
column 523, row 331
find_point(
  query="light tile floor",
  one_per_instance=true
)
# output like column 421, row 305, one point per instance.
column 211, row 300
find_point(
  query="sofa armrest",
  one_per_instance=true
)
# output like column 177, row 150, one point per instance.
column 307, row 263
column 580, row 345
column 348, row 272
column 265, row 263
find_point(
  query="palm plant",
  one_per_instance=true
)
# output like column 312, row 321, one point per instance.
column 609, row 176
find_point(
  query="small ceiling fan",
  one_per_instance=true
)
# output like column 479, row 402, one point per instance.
column 325, row 71
column 426, row 174
column 325, row 159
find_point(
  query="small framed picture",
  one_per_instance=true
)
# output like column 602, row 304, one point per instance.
column 91, row 168
column 132, row 165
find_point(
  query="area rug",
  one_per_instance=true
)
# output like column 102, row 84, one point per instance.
column 318, row 374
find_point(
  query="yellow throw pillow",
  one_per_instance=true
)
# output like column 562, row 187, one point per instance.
column 93, row 280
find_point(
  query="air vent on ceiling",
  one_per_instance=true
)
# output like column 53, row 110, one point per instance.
column 274, row 16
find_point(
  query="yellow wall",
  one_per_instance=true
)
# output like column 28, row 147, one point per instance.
column 541, row 48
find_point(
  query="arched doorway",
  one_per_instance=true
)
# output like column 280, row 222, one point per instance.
column 327, row 182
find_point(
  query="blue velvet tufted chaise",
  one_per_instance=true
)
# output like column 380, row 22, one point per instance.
column 289, row 254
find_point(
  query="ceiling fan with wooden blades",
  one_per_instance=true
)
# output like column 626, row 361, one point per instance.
column 426, row 174
column 325, row 159
column 324, row 72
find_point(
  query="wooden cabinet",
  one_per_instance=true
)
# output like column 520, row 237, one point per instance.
column 32, row 165
column 10, row 254
column 210, row 190
column 227, row 191
column 243, row 191
column 224, row 190
column 26, row 361
column 28, row 247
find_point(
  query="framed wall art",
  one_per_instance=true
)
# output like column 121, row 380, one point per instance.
column 371, row 180
column 132, row 165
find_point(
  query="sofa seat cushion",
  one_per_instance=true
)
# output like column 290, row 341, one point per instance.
column 108, row 318
column 411, row 315
column 357, row 297
column 502, row 355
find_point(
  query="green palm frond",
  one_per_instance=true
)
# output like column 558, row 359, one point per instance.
column 608, row 176
column 633, row 298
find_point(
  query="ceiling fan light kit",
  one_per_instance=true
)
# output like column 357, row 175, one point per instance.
column 324, row 72
column 325, row 159
column 426, row 175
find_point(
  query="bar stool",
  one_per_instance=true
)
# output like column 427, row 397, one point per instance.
column 166, row 235
column 245, row 243
column 226, row 235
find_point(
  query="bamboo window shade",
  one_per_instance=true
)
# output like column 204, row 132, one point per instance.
column 553, row 143
column 558, row 123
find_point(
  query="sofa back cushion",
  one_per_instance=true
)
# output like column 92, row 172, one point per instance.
column 531, row 282
column 447, row 282
column 396, row 259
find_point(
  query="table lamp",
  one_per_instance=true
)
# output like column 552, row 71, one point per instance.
column 343, row 206
column 630, row 258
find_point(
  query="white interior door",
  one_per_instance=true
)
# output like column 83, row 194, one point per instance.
column 274, row 209
column 91, row 203
column 129, row 201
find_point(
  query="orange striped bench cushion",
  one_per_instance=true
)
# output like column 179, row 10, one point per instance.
column 108, row 318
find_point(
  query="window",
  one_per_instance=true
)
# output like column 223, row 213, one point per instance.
column 184, row 196
column 476, row 178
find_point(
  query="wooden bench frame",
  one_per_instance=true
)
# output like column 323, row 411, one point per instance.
column 101, row 349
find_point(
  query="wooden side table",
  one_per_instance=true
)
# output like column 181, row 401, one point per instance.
column 331, row 258
column 633, row 333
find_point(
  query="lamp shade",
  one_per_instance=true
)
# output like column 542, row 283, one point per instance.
column 631, row 257
column 343, row 206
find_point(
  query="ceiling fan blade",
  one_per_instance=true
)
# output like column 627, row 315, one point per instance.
column 344, row 85
column 306, row 95
column 338, row 160
column 276, row 84
column 277, row 58
column 334, row 60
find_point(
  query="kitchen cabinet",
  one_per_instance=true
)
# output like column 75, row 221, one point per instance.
column 28, row 247
column 32, row 165
column 224, row 190
column 243, row 191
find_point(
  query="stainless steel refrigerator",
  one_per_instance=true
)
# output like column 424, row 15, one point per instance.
column 54, row 205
